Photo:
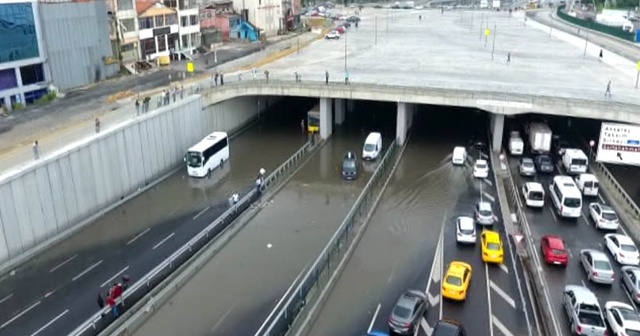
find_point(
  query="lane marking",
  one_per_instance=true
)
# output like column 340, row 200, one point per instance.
column 20, row 314
column 553, row 214
column 86, row 271
column 373, row 320
column 602, row 199
column 433, row 300
column 437, row 259
column 583, row 283
column 491, row 198
column 483, row 155
column 393, row 271
column 63, row 263
column 138, row 236
column 504, row 268
column 426, row 327
column 201, row 213
column 486, row 275
column 6, row 298
column 224, row 317
column 163, row 241
column 115, row 276
column 501, row 327
column 487, row 181
column 50, row 322
column 502, row 293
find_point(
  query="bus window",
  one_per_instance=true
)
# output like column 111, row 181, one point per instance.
column 313, row 121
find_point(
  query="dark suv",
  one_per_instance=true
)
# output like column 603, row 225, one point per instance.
column 406, row 315
column 448, row 327
column 349, row 166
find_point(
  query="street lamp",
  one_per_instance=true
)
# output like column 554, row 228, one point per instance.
column 591, row 145
column 345, row 52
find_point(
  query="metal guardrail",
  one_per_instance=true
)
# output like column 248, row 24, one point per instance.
column 103, row 318
column 310, row 287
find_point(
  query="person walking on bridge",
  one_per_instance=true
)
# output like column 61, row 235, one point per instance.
column 326, row 77
column 607, row 93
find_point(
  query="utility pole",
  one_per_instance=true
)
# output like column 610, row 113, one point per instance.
column 493, row 46
column 345, row 53
column 387, row 21
column 376, row 29
column 481, row 24
column 586, row 41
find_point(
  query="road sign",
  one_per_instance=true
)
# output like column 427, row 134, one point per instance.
column 487, row 32
column 518, row 238
column 190, row 67
column 619, row 143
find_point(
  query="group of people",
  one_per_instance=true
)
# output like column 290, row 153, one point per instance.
column 217, row 76
column 113, row 294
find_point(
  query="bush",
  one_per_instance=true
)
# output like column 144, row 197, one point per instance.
column 18, row 106
column 46, row 98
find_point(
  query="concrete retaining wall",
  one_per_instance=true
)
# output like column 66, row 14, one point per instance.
column 51, row 198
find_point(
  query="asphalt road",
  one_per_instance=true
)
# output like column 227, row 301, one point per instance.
column 235, row 290
column 54, row 292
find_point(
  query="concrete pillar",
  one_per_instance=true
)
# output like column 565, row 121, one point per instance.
column 339, row 111
column 403, row 122
column 351, row 105
column 497, row 129
column 326, row 116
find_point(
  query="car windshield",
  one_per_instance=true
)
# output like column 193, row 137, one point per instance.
column 481, row 165
column 369, row 147
column 194, row 159
column 628, row 248
column 536, row 196
column 572, row 202
column 609, row 216
column 579, row 162
column 485, row 213
column 493, row 246
column 454, row 280
column 465, row 231
column 629, row 315
column 545, row 160
column 602, row 265
column 527, row 164
column 402, row 312
column 349, row 164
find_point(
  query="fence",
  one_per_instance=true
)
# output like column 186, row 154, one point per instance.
column 609, row 30
column 103, row 318
column 309, row 288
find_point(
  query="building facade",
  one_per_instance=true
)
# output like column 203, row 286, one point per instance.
column 266, row 15
column 124, row 29
column 158, row 30
column 24, row 71
column 189, row 24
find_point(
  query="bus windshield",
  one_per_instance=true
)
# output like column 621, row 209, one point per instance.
column 313, row 120
column 194, row 159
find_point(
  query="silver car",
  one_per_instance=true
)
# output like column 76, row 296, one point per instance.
column 484, row 213
column 630, row 280
column 527, row 167
column 597, row 266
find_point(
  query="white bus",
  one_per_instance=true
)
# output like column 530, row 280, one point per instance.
column 566, row 196
column 207, row 155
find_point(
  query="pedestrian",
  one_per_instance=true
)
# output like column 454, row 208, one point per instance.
column 173, row 93
column 326, row 77
column 509, row 57
column 145, row 104
column 259, row 185
column 97, row 123
column 166, row 97
column 601, row 54
column 235, row 198
column 266, row 75
column 302, row 128
column 216, row 78
column 160, row 99
column 100, row 300
column 114, row 307
column 137, row 107
column 346, row 77
column 607, row 93
column 221, row 78
column 254, row 72
column 125, row 282
column 296, row 74
column 181, row 91
column 239, row 76
column 36, row 150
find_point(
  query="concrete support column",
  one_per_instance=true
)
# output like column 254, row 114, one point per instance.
column 339, row 111
column 326, row 116
column 497, row 129
column 351, row 105
column 403, row 122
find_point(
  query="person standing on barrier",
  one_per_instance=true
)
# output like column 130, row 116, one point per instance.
column 235, row 198
column 137, row 107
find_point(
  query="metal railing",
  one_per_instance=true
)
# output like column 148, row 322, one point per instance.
column 311, row 285
column 103, row 318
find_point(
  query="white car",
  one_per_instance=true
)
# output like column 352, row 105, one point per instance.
column 622, row 248
column 465, row 230
column 481, row 169
column 603, row 217
column 622, row 318
column 332, row 35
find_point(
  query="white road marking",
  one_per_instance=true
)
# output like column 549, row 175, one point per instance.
column 602, row 199
column 433, row 300
column 553, row 213
column 570, row 254
column 200, row 213
column 504, row 268
column 586, row 219
column 138, row 236
column 115, row 276
column 491, row 198
column 50, row 322
column 583, row 283
column 373, row 320
column 63, row 263
column 483, row 155
column 215, row 326
column 393, row 271
column 426, row 327
column 487, row 181
column 486, row 274
column 6, row 298
column 158, row 244
column 86, row 271
column 19, row 315
column 504, row 295
column 437, row 260
column 501, row 327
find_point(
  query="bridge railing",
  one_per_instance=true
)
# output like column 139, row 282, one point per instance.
column 104, row 317
column 310, row 286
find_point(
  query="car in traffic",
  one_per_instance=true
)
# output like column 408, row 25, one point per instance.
column 465, row 230
column 492, row 248
column 346, row 24
column 448, row 327
column 533, row 194
column 544, row 164
column 603, row 217
column 341, row 29
column 332, row 35
column 597, row 266
column 483, row 213
column 407, row 312
column 349, row 166
column 353, row 19
column 481, row 169
column 622, row 248
column 459, row 156
column 554, row 250
column 526, row 167
column 622, row 319
column 630, row 280
column 456, row 281
column 583, row 311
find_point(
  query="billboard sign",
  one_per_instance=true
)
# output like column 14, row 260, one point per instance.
column 619, row 144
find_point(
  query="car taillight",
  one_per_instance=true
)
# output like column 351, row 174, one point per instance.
column 621, row 255
column 595, row 274
column 579, row 330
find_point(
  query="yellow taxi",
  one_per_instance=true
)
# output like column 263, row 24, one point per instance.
column 492, row 251
column 456, row 281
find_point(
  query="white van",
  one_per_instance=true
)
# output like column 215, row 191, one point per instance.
column 459, row 156
column 574, row 161
column 533, row 194
column 566, row 196
column 588, row 184
column 516, row 145
column 372, row 146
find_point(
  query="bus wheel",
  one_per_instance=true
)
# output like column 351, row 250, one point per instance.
column 209, row 173
column 221, row 162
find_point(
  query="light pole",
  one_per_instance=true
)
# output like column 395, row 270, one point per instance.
column 493, row 44
column 481, row 24
column 591, row 144
column 586, row 41
column 387, row 21
column 376, row 30
column 345, row 53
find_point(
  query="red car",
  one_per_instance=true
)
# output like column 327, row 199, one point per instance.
column 341, row 29
column 554, row 250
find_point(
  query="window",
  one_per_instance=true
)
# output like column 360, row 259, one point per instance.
column 125, row 4
column 31, row 97
column 162, row 44
column 185, row 42
column 148, row 47
column 128, row 25
column 8, row 79
column 171, row 3
column 193, row 20
column 213, row 150
column 183, row 21
column 171, row 42
column 195, row 40
column 170, row 19
column 159, row 20
column 145, row 22
column 18, row 39
column 32, row 74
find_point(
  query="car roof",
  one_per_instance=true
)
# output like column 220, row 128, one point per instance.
column 621, row 238
column 617, row 304
column 457, row 268
column 492, row 236
column 408, row 299
column 534, row 186
column 555, row 242
column 606, row 208
column 466, row 223
column 527, row 159
column 634, row 269
column 349, row 155
column 481, row 161
column 583, row 294
column 484, row 205
column 597, row 255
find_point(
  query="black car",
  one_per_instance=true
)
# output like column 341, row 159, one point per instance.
column 407, row 313
column 544, row 164
column 349, row 166
column 346, row 24
column 353, row 19
column 448, row 327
